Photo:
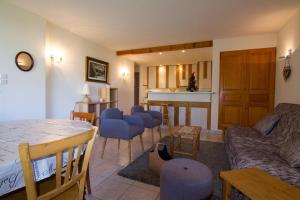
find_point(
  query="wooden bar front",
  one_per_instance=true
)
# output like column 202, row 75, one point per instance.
column 187, row 106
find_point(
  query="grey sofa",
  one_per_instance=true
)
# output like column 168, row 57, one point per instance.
column 246, row 147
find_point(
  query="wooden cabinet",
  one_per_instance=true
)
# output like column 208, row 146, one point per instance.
column 247, row 79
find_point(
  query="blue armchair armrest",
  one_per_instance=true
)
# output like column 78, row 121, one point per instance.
column 144, row 115
column 155, row 114
column 114, row 128
column 147, row 119
column 134, row 120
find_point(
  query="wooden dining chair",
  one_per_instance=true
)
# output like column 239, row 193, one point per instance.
column 83, row 116
column 71, row 184
column 89, row 117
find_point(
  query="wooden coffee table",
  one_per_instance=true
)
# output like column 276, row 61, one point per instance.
column 191, row 133
column 257, row 184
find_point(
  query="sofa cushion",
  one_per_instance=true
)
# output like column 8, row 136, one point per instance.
column 247, row 139
column 240, row 131
column 290, row 151
column 269, row 162
column 245, row 152
column 288, row 125
column 267, row 123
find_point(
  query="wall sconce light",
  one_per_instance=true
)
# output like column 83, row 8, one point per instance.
column 56, row 55
column 124, row 73
column 286, row 72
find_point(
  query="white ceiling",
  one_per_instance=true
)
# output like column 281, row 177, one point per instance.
column 126, row 24
column 173, row 57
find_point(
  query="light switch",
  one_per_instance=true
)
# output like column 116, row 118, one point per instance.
column 3, row 81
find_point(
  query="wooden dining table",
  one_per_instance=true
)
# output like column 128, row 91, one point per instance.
column 13, row 133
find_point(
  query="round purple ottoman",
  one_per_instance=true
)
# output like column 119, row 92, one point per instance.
column 185, row 179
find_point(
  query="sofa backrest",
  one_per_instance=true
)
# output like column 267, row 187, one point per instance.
column 288, row 125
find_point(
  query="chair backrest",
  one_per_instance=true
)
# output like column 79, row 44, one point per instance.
column 111, row 113
column 135, row 109
column 73, row 179
column 83, row 116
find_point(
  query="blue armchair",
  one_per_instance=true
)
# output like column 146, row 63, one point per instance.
column 114, row 124
column 151, row 119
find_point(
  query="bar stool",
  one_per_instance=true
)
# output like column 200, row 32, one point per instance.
column 165, row 117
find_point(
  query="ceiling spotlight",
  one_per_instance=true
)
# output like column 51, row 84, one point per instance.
column 160, row 53
column 183, row 51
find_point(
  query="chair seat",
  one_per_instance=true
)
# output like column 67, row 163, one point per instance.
column 135, row 130
column 153, row 123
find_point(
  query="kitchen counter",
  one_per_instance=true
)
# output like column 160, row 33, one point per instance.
column 198, row 96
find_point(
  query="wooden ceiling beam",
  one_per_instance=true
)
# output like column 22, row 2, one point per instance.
column 175, row 47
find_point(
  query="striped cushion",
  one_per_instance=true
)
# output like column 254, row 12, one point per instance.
column 290, row 151
column 266, row 125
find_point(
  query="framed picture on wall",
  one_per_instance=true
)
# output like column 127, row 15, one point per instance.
column 96, row 70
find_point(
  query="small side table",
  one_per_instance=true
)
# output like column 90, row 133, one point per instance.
column 185, row 132
column 257, row 184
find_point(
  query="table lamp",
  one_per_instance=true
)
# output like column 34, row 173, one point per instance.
column 86, row 92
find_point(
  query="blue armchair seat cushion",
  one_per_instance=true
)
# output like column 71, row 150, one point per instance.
column 135, row 130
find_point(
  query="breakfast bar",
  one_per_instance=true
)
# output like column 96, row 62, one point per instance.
column 187, row 108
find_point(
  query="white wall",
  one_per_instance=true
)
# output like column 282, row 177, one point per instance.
column 289, row 38
column 230, row 44
column 24, row 95
column 66, row 79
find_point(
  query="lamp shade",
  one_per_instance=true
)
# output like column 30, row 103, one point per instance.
column 85, row 89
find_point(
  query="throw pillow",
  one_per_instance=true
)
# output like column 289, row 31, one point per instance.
column 267, row 123
column 290, row 151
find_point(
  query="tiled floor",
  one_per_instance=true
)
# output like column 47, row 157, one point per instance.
column 107, row 185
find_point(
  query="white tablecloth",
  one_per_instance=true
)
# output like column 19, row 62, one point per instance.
column 32, row 131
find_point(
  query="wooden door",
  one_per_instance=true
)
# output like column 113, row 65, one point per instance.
column 260, row 83
column 232, row 88
column 246, row 86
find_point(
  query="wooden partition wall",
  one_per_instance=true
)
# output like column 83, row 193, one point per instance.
column 175, row 76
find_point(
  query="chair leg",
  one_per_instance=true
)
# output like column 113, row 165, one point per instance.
column 142, row 143
column 159, row 131
column 129, row 150
column 152, row 133
column 103, row 147
column 119, row 141
column 88, row 183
